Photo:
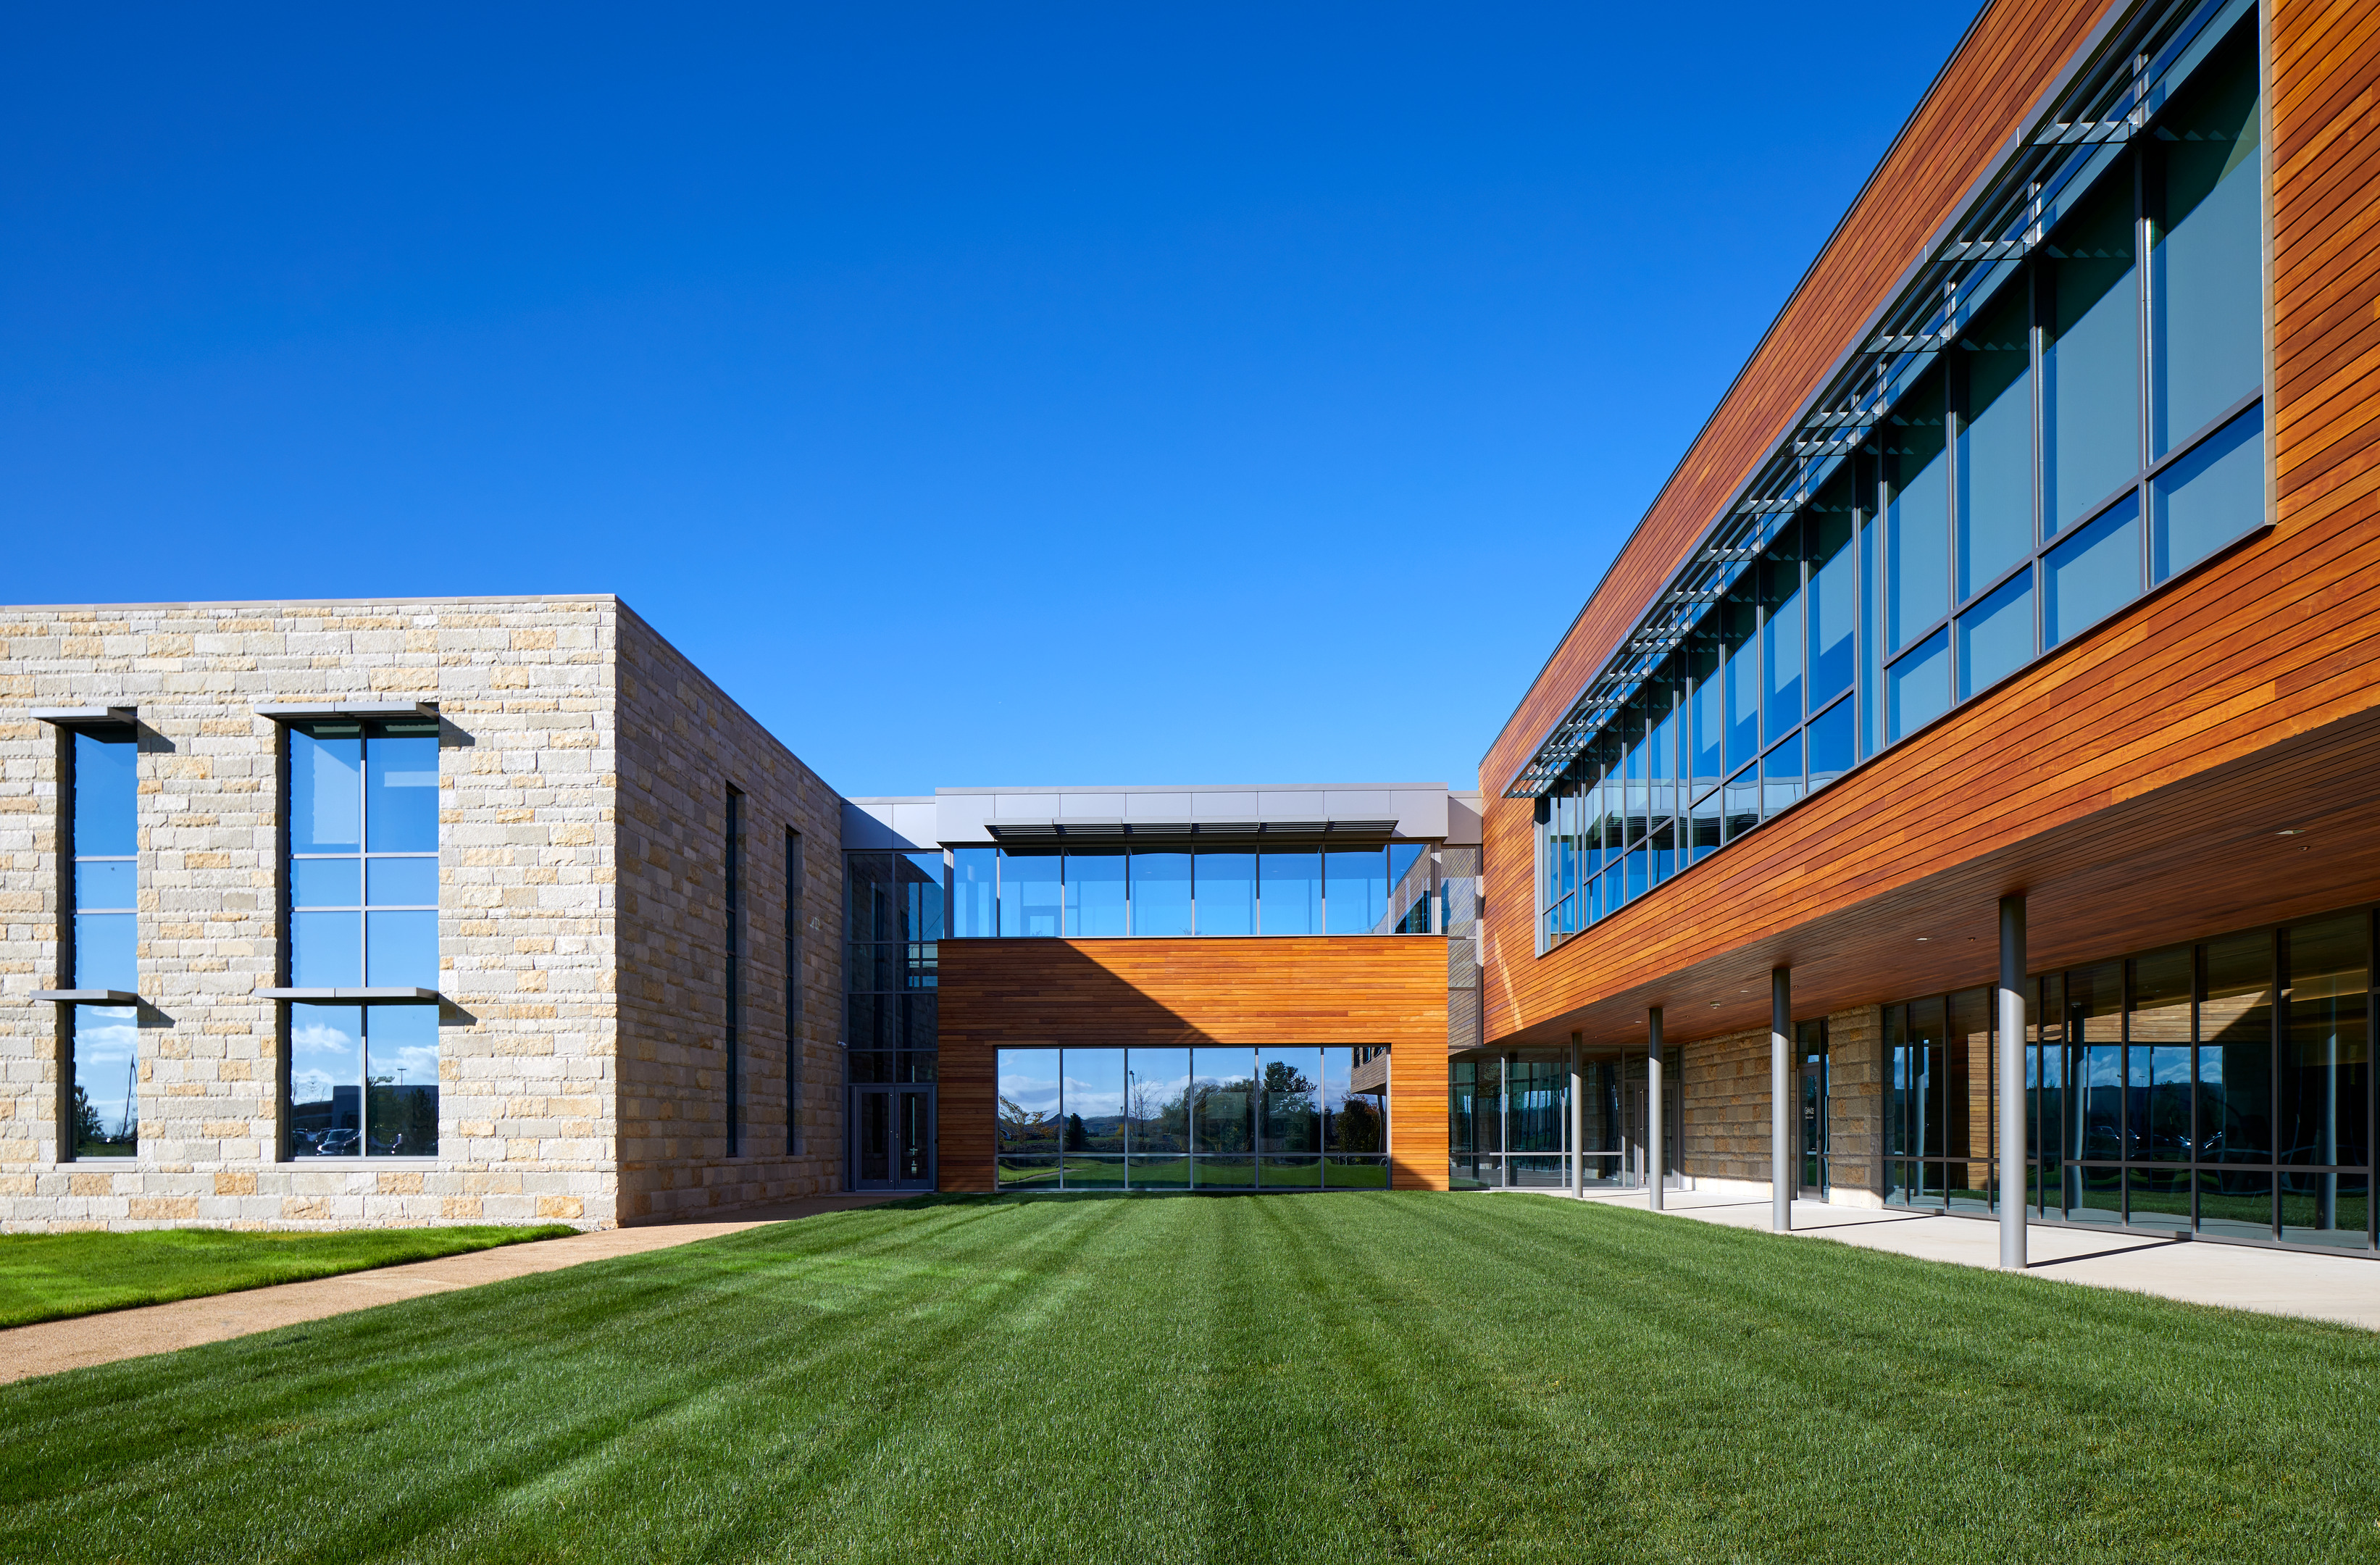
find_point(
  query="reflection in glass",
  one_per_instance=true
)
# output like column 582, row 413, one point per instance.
column 1780, row 777
column 106, row 1091
column 326, row 1081
column 974, row 893
column 2325, row 1075
column 2235, row 1052
column 2090, row 370
column 107, row 951
column 1916, row 513
column 1226, row 893
column 1702, row 827
column 1029, row 1102
column 1156, row 1100
column 1222, row 1100
column 1161, row 893
column 1833, row 592
column 1289, row 891
column 1741, row 802
column 2205, row 262
column 1355, row 889
column 401, row 1064
column 337, row 882
column 2157, row 1073
column 1289, row 1106
column 106, row 785
column 401, row 787
column 326, row 950
column 1094, row 892
column 1093, row 1101
column 1739, row 618
column 1355, row 1100
column 400, row 949
column 1031, row 892
column 1919, row 688
column 2092, row 574
column 1995, row 636
column 1780, row 630
column 2209, row 497
column 1707, row 734
column 1831, row 749
column 326, row 789
column 1995, row 442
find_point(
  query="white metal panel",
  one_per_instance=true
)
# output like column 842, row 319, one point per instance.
column 1156, row 807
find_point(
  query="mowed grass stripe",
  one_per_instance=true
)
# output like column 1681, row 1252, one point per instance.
column 1354, row 1377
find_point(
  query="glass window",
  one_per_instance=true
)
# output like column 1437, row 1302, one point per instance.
column 1029, row 1094
column 974, row 893
column 2158, row 1072
column 1222, row 1098
column 1095, row 892
column 1871, row 640
column 1661, row 757
column 1288, row 889
column 1919, row 688
column 1916, row 513
column 2235, row 1051
column 1707, row 741
column 1355, row 1100
column 106, row 865
column 2209, row 497
column 1739, row 623
column 2205, row 247
column 1834, row 593
column 363, row 867
column 1226, row 888
column 106, row 1088
column 2090, row 357
column 1832, row 751
column 1741, row 803
column 1781, row 631
column 363, row 1081
column 1356, row 882
column 1157, row 1100
column 1632, row 773
column 1031, row 891
column 2326, row 1073
column 1161, row 893
column 1780, row 777
column 1995, row 636
column 1092, row 1099
column 1290, row 1108
column 2092, row 573
column 1994, row 361
column 1703, row 830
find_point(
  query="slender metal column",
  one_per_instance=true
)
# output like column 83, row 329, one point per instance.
column 1783, row 1166
column 2013, row 1182
column 1577, row 1125
column 1655, row 1152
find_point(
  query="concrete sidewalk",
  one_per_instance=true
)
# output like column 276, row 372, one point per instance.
column 55, row 1345
column 2341, row 1288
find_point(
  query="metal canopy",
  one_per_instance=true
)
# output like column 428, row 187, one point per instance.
column 2106, row 101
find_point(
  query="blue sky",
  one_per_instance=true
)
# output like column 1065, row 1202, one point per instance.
column 981, row 394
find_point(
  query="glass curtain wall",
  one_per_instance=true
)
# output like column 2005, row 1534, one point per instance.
column 2223, row 1088
column 1508, row 1121
column 1173, row 892
column 892, row 914
column 104, row 1089
column 362, row 878
column 2092, row 427
column 1282, row 1117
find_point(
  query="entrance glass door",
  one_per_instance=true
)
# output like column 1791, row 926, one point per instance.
column 892, row 1137
column 1813, row 1128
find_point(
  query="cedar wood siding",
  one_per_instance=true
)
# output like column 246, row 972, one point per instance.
column 1121, row 993
column 2105, row 779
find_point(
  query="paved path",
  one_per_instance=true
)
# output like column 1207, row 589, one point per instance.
column 2239, row 1277
column 54, row 1345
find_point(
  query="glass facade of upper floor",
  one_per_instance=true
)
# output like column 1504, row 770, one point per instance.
column 2093, row 428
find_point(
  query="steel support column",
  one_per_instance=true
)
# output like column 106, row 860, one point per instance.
column 1656, row 1149
column 2013, row 1182
column 1577, row 1125
column 1784, row 1167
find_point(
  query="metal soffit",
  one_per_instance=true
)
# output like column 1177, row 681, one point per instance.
column 2106, row 103
column 1099, row 828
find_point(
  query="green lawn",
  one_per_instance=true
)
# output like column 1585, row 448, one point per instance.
column 1262, row 1378
column 49, row 1276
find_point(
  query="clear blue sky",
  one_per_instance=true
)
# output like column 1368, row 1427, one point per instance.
column 982, row 395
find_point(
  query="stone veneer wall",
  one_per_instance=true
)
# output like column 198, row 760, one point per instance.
column 683, row 745
column 1726, row 1108
column 527, row 928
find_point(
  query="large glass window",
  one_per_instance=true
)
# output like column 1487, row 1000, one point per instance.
column 103, row 1090
column 893, row 923
column 2090, row 356
column 2205, row 266
column 1095, row 888
column 363, row 855
column 363, row 1081
column 1280, row 1117
column 1160, row 894
column 1916, row 515
column 1289, row 888
column 1355, row 889
column 1226, row 888
column 1994, row 364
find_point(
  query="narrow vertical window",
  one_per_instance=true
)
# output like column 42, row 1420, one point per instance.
column 2090, row 356
column 733, row 977
column 104, row 1087
column 796, row 1045
column 362, row 813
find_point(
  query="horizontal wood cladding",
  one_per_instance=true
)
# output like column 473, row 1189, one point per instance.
column 998, row 994
column 2130, row 783
column 2010, row 57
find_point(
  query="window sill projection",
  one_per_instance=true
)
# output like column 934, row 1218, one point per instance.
column 2061, row 416
column 393, row 994
column 87, row 997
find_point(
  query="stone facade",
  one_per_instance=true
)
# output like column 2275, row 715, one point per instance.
column 1726, row 1109
column 580, row 1047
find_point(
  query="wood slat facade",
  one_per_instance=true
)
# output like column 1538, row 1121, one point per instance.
column 2132, row 783
column 1000, row 994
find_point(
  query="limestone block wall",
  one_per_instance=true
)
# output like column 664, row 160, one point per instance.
column 1726, row 1085
column 526, row 927
column 683, row 745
